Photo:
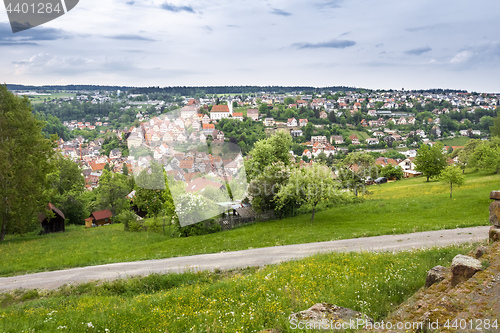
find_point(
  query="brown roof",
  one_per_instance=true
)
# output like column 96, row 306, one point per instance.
column 220, row 108
column 188, row 164
column 199, row 184
column 189, row 176
column 97, row 166
column 53, row 208
column 102, row 214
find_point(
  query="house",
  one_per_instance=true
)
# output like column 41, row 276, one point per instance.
column 115, row 153
column 253, row 114
column 269, row 122
column 52, row 224
column 218, row 135
column 291, row 122
column 407, row 164
column 384, row 161
column 307, row 153
column 208, row 129
column 337, row 139
column 323, row 115
column 221, row 111
column 372, row 141
column 238, row 116
column 189, row 111
column 303, row 122
column 100, row 218
column 354, row 139
column 295, row 133
column 201, row 183
column 318, row 138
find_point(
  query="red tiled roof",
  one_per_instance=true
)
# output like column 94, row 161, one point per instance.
column 186, row 164
column 102, row 214
column 199, row 184
column 220, row 108
column 97, row 166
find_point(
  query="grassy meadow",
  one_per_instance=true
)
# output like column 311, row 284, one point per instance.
column 240, row 301
column 394, row 208
column 458, row 141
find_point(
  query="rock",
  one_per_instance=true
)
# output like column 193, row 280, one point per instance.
column 463, row 268
column 436, row 274
column 494, row 234
column 495, row 195
column 480, row 251
column 495, row 213
column 322, row 315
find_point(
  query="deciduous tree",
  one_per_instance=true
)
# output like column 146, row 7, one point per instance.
column 453, row 176
column 310, row 185
column 24, row 163
column 430, row 160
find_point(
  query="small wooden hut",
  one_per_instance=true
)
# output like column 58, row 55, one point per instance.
column 99, row 218
column 52, row 224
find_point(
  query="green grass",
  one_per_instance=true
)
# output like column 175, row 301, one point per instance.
column 362, row 136
column 34, row 99
column 458, row 141
column 393, row 208
column 242, row 301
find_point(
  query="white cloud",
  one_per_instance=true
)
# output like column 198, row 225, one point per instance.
column 461, row 57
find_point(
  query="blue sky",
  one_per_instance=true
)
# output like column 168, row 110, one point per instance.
column 378, row 44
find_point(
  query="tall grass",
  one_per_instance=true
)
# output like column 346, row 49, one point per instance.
column 247, row 301
column 392, row 208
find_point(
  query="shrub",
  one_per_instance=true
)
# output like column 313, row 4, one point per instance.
column 201, row 228
column 126, row 217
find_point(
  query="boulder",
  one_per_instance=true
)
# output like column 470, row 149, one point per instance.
column 463, row 268
column 495, row 213
column 320, row 314
column 480, row 251
column 494, row 234
column 436, row 274
column 495, row 195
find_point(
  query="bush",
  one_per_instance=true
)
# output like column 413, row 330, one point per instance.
column 200, row 228
column 126, row 217
column 154, row 225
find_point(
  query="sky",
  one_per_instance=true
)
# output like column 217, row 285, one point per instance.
column 375, row 44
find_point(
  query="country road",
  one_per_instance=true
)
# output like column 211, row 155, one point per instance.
column 242, row 259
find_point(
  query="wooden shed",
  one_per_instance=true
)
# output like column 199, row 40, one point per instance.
column 52, row 224
column 99, row 218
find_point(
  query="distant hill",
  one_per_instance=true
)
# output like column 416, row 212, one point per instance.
column 192, row 90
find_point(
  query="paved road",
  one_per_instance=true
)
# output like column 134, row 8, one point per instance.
column 242, row 259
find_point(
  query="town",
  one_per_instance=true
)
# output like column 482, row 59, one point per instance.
column 325, row 123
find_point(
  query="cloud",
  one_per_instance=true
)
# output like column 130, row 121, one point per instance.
column 329, row 4
column 461, row 57
column 334, row 44
column 418, row 51
column 28, row 37
column 131, row 37
column 276, row 11
column 208, row 29
column 176, row 9
column 424, row 28
column 130, row 3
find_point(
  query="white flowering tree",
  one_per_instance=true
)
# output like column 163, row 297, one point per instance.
column 190, row 208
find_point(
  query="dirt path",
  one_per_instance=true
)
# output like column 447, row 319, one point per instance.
column 242, row 259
